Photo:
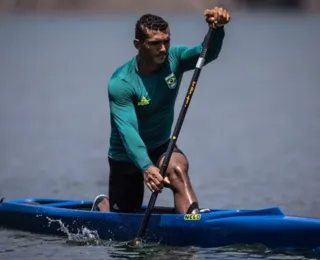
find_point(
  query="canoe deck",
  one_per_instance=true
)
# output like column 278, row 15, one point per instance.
column 216, row 227
column 85, row 205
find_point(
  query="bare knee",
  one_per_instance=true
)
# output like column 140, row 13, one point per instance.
column 178, row 176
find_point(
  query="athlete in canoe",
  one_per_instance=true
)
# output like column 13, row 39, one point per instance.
column 142, row 95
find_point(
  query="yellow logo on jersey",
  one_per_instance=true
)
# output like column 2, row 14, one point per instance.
column 143, row 101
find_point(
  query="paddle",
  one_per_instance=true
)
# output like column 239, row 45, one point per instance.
column 185, row 106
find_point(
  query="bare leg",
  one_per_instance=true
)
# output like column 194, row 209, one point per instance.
column 184, row 197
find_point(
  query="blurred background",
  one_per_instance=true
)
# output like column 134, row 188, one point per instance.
column 143, row 5
column 252, row 133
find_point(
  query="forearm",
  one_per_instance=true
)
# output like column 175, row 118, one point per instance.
column 135, row 148
column 189, row 56
column 215, row 45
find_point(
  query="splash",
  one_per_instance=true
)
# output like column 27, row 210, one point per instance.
column 84, row 236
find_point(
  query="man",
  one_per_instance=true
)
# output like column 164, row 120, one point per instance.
column 142, row 95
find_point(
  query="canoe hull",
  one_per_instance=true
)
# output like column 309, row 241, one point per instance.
column 269, row 226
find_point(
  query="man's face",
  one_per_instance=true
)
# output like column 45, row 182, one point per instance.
column 155, row 46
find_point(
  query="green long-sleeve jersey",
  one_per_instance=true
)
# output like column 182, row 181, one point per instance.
column 142, row 107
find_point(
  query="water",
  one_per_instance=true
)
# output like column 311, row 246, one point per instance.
column 251, row 133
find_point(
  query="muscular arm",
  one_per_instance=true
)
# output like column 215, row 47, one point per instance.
column 124, row 116
column 187, row 57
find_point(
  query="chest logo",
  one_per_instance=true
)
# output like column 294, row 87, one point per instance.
column 171, row 81
column 143, row 101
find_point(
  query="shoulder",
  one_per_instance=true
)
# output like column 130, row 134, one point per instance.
column 176, row 50
column 118, row 88
column 179, row 50
column 118, row 85
column 124, row 70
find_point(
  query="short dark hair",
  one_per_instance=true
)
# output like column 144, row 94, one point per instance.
column 151, row 22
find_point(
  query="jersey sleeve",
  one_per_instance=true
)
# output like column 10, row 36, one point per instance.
column 124, row 116
column 187, row 57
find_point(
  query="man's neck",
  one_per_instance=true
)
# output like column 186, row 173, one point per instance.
column 147, row 68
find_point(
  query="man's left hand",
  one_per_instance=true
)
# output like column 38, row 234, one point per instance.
column 217, row 17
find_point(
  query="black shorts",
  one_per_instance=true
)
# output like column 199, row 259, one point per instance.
column 126, row 184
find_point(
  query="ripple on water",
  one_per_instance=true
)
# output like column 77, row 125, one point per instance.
column 86, row 243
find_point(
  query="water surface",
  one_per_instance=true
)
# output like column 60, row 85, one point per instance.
column 251, row 133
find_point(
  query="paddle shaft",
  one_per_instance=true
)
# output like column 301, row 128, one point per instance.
column 176, row 131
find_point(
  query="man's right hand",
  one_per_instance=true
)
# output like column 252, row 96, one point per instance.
column 153, row 179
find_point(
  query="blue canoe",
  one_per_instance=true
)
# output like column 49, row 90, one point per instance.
column 217, row 227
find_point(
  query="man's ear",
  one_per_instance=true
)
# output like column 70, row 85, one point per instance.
column 137, row 44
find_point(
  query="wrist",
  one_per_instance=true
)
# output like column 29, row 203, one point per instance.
column 146, row 167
